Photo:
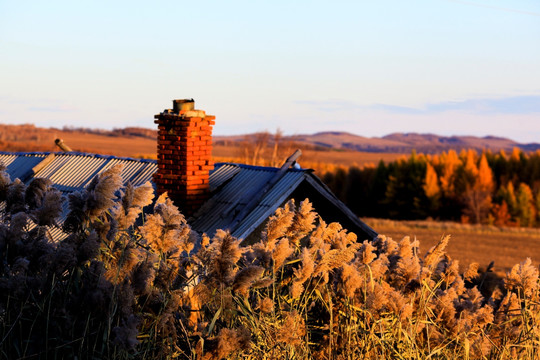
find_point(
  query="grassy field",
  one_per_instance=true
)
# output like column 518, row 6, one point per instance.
column 126, row 146
column 302, row 291
column 469, row 243
column 316, row 159
column 30, row 138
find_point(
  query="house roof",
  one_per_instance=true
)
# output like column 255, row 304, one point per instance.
column 242, row 196
column 73, row 171
column 233, row 186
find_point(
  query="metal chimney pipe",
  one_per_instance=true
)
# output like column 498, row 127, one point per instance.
column 60, row 143
column 183, row 105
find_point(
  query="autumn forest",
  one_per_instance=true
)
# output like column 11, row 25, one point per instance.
column 489, row 188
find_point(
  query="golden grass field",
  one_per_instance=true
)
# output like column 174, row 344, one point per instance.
column 28, row 138
column 132, row 146
column 119, row 146
column 468, row 243
column 301, row 291
column 317, row 159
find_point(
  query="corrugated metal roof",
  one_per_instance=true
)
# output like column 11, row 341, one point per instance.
column 238, row 184
column 76, row 172
column 233, row 186
column 19, row 164
column 221, row 173
column 72, row 171
column 268, row 205
column 135, row 171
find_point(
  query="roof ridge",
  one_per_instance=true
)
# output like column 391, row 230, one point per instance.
column 259, row 167
column 77, row 153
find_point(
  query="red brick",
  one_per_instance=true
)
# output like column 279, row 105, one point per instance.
column 184, row 157
column 193, row 182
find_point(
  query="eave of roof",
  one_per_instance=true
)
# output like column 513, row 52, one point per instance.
column 325, row 191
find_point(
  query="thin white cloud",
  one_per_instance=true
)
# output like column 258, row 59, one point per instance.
column 508, row 105
column 525, row 104
column 331, row 105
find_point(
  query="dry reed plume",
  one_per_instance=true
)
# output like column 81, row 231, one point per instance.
column 120, row 286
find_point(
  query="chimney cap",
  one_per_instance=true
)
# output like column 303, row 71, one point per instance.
column 183, row 105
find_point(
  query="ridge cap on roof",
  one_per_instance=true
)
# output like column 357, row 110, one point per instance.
column 25, row 153
column 78, row 153
column 259, row 167
column 102, row 156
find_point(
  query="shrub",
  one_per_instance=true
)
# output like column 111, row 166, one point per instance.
column 119, row 286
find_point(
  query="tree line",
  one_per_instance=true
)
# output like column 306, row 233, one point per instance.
column 489, row 188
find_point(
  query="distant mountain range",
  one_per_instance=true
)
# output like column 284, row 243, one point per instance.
column 396, row 142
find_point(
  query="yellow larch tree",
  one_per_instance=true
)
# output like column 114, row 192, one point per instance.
column 470, row 164
column 450, row 162
column 516, row 154
column 485, row 175
column 477, row 196
column 431, row 182
column 525, row 205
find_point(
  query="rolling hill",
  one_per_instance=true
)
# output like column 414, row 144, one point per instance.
column 396, row 142
column 140, row 142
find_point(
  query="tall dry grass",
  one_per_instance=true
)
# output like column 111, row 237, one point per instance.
column 120, row 286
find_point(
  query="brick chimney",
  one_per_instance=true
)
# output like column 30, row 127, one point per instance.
column 184, row 152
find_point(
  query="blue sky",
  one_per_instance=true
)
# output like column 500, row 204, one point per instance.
column 448, row 67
